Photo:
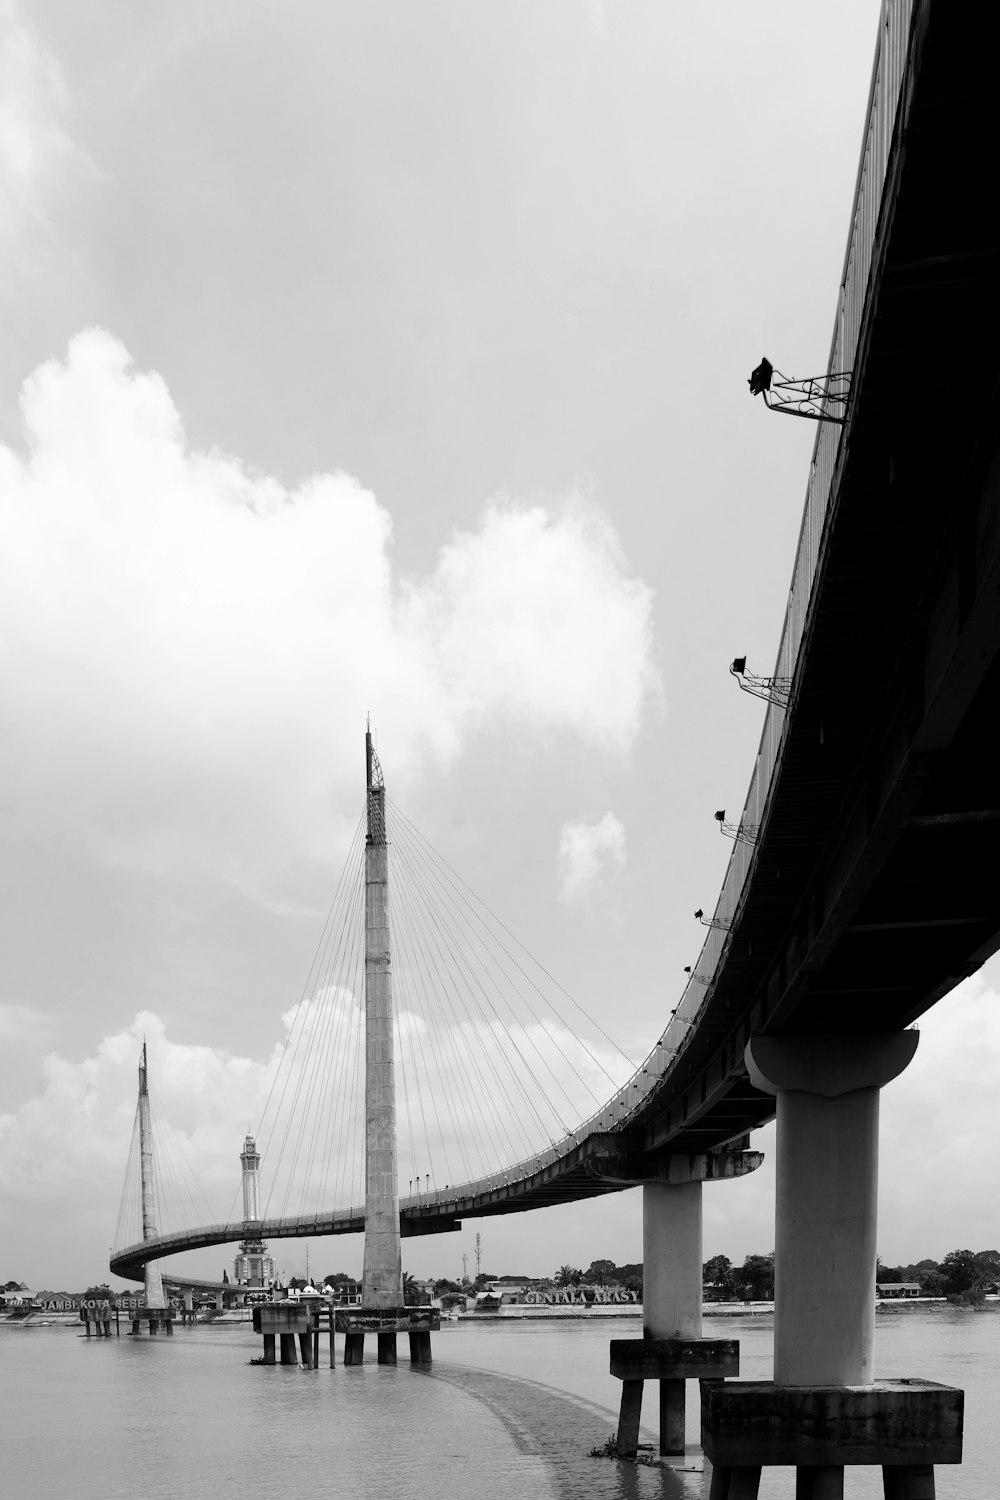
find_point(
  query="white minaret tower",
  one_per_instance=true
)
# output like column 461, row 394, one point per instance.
column 382, row 1273
column 250, row 1162
column 253, row 1266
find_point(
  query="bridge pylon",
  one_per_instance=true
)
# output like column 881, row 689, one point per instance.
column 156, row 1308
column 382, row 1309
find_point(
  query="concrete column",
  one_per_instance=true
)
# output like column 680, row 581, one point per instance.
column 288, row 1355
column 269, row 1349
column 147, row 1177
column 827, row 1090
column 671, row 1260
column 382, row 1273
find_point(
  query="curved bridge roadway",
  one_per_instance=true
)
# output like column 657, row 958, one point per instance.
column 855, row 901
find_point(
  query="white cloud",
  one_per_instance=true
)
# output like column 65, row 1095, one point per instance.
column 22, row 1025
column 188, row 648
column 36, row 152
column 587, row 853
column 64, row 1152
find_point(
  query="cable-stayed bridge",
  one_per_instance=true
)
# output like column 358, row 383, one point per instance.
column 860, row 888
column 854, row 896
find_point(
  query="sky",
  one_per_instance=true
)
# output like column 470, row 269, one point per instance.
column 391, row 360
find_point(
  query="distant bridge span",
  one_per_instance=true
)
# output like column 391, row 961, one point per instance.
column 857, row 900
column 598, row 1164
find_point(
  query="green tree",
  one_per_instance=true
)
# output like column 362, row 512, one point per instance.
column 102, row 1293
column 755, row 1278
column 601, row 1272
column 568, row 1276
column 717, row 1275
column 969, row 1270
column 630, row 1275
column 412, row 1294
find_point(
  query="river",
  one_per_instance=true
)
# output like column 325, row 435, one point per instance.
column 509, row 1409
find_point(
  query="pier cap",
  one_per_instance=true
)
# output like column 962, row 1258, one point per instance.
column 829, row 1064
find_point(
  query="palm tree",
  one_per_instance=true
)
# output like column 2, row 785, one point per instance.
column 411, row 1292
column 568, row 1276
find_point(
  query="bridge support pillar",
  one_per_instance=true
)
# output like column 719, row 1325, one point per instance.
column 824, row 1408
column 387, row 1346
column 354, row 1347
column 671, row 1349
column 269, row 1358
column 306, row 1350
column 671, row 1291
column 826, row 1194
column 288, row 1356
column 671, row 1260
column 420, row 1347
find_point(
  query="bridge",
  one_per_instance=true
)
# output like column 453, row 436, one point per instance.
column 855, row 895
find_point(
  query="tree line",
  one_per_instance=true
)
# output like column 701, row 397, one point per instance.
column 961, row 1272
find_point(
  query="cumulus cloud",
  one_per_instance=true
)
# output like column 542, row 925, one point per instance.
column 64, row 1152
column 23, row 1026
column 188, row 647
column 588, row 852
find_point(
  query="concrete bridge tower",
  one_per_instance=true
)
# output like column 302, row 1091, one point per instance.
column 382, row 1273
column 154, row 1285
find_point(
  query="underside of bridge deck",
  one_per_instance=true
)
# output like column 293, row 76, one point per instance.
column 873, row 889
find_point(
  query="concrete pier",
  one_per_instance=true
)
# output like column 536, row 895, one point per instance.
column 387, row 1324
column 672, row 1350
column 671, row 1260
column 420, row 1348
column 284, row 1325
column 824, row 1408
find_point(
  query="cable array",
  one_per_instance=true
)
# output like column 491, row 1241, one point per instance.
column 489, row 1072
